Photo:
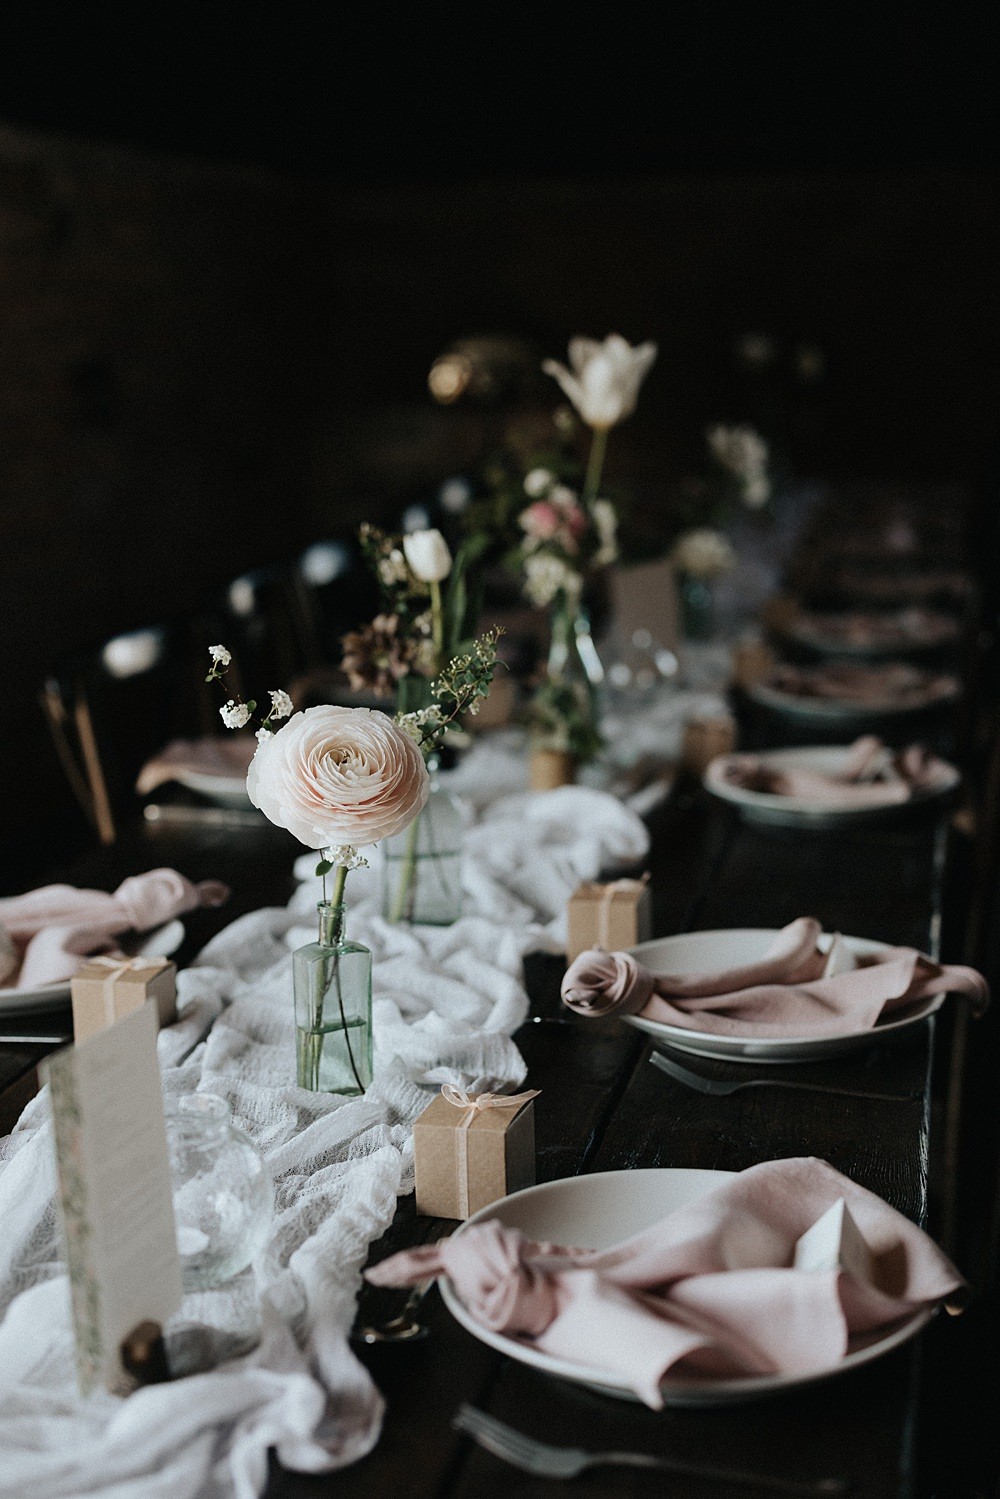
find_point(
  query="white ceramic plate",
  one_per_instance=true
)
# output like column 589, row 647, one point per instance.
column 845, row 710
column 601, row 1210
column 767, row 807
column 161, row 942
column 704, row 952
column 225, row 791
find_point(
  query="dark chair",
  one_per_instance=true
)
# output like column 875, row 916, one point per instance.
column 267, row 619
column 111, row 708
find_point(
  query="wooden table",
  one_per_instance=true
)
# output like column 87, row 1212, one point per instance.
column 604, row 1107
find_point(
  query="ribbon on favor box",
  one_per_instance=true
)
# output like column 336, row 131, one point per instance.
column 474, row 1104
column 607, row 900
column 117, row 968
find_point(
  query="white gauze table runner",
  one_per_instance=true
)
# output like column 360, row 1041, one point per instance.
column 446, row 1003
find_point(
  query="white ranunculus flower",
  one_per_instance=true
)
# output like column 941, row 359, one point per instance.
column 604, row 378
column 428, row 556
column 334, row 775
column 703, row 553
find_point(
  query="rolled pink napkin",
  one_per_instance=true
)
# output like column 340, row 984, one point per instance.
column 53, row 929
column 787, row 993
column 871, row 776
column 708, row 1291
column 208, row 757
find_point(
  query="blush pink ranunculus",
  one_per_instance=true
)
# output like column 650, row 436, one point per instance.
column 337, row 775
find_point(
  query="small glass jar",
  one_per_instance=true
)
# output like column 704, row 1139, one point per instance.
column 223, row 1199
column 422, row 865
column 332, row 982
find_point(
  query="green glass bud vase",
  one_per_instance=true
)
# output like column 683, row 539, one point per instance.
column 332, row 982
column 422, row 865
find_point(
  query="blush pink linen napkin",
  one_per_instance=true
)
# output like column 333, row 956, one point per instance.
column 213, row 756
column 55, row 928
column 871, row 776
column 707, row 1292
column 784, row 994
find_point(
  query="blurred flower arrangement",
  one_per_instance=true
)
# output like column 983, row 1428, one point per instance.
column 547, row 517
column 421, row 649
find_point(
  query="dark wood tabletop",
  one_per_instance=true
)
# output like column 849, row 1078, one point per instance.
column 603, row 1107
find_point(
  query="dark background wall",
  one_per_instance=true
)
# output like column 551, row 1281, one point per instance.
column 231, row 246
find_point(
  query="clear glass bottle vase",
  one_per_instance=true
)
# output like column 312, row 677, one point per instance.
column 422, row 865
column 332, row 981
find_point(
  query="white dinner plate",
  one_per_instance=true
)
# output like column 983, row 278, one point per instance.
column 786, row 811
column 941, row 690
column 706, row 952
column 223, row 790
column 600, row 1210
column 160, row 942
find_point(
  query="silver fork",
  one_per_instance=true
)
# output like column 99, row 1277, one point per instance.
column 544, row 1461
column 720, row 1086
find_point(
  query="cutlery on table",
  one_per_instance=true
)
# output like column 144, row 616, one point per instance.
column 214, row 817
column 545, row 1461
column 404, row 1327
column 720, row 1086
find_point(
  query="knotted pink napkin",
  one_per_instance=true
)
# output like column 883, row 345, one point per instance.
column 214, row 756
column 784, row 994
column 708, row 1291
column 871, row 776
column 55, row 928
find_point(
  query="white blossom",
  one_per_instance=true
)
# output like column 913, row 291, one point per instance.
column 546, row 575
column 345, row 856
column 235, row 715
column 703, row 553
column 606, row 525
column 281, row 705
column 604, row 378
column 428, row 555
column 220, row 655
column 537, row 481
column 742, row 452
column 392, row 568
column 417, row 722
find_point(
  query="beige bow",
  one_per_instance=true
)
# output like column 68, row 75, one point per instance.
column 117, row 968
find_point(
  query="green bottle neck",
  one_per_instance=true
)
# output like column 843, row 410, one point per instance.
column 331, row 923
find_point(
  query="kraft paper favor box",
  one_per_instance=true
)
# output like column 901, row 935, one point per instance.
column 106, row 989
column 469, row 1150
column 612, row 916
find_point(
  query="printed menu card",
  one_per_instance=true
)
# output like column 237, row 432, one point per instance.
column 114, row 1191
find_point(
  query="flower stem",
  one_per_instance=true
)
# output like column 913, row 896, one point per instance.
column 407, row 871
column 595, row 466
column 437, row 626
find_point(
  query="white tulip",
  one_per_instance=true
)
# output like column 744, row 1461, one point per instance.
column 427, row 555
column 604, row 380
